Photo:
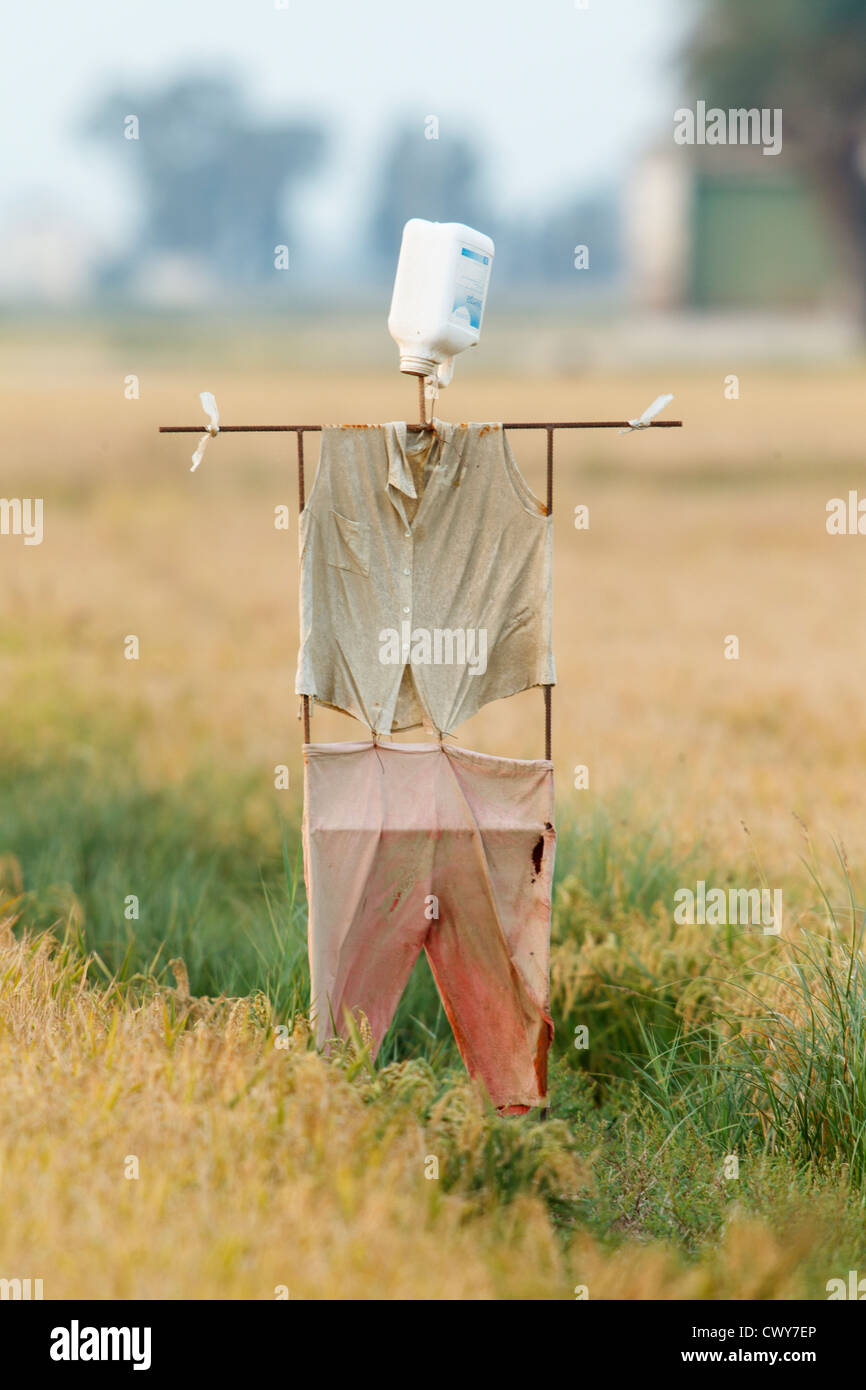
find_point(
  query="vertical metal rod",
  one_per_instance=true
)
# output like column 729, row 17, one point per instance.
column 547, row 739
column 422, row 402
column 549, row 471
column 548, row 691
column 302, row 502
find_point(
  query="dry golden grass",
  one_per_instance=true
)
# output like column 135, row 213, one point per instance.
column 262, row 1168
column 258, row 1166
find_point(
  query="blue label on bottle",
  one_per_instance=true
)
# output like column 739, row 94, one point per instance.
column 471, row 289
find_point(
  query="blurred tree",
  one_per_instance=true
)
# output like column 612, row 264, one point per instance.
column 809, row 58
column 444, row 180
column 593, row 222
column 438, row 179
column 212, row 179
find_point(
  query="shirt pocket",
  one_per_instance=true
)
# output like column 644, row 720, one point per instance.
column 349, row 545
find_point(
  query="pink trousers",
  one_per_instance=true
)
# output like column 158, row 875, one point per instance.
column 410, row 846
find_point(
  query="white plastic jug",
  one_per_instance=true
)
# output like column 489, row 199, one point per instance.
column 439, row 294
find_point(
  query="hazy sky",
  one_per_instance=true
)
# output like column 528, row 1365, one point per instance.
column 559, row 97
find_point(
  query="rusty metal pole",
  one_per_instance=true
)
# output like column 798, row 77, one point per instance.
column 506, row 425
column 544, row 1113
column 302, row 502
column 302, row 497
column 548, row 690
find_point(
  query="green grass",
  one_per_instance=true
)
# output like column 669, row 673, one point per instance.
column 655, row 1104
column 788, row 1080
column 87, row 834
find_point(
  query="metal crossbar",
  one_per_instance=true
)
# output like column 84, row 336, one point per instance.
column 549, row 425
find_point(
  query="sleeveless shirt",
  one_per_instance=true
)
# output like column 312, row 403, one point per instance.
column 426, row 576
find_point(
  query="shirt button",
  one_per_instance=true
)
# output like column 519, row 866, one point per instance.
column 408, row 535
column 405, row 610
column 407, row 571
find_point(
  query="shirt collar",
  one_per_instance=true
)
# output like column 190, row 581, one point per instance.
column 400, row 481
column 399, row 473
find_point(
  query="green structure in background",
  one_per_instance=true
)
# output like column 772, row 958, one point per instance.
column 760, row 243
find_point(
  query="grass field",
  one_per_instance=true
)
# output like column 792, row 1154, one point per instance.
column 260, row 1165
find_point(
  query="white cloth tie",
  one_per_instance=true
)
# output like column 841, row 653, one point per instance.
column 649, row 414
column 211, row 409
